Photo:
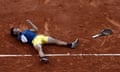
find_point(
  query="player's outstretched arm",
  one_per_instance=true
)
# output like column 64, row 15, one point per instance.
column 34, row 27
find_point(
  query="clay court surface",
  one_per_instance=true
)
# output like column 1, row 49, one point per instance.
column 65, row 20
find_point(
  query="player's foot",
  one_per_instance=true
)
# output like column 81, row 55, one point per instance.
column 75, row 43
column 44, row 59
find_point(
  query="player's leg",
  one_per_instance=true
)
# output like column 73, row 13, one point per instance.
column 52, row 40
column 73, row 44
column 38, row 47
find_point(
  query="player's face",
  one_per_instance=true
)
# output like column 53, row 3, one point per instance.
column 16, row 31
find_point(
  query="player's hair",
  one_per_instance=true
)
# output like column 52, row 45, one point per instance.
column 12, row 32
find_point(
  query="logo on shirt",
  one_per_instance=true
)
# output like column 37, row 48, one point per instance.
column 24, row 39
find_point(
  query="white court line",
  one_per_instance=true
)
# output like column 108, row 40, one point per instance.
column 14, row 55
column 67, row 54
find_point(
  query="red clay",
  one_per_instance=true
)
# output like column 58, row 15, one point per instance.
column 65, row 20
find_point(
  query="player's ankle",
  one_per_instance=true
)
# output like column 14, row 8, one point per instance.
column 69, row 44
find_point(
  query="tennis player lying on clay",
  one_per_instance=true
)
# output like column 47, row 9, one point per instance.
column 30, row 36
